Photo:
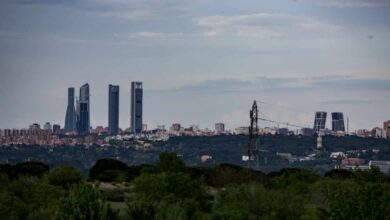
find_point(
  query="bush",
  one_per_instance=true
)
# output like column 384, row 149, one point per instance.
column 64, row 176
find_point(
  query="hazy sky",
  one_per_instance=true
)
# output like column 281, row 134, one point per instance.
column 201, row 61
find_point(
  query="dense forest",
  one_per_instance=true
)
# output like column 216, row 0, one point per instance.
column 170, row 190
column 222, row 149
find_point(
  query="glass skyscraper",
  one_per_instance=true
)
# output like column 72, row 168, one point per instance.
column 338, row 121
column 136, row 107
column 70, row 117
column 84, row 110
column 113, row 109
column 319, row 121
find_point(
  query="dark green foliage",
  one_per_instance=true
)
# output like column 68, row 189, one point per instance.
column 256, row 202
column 31, row 168
column 84, row 202
column 37, row 169
column 166, row 196
column 64, row 176
column 339, row 174
column 227, row 174
column 354, row 201
column 170, row 162
column 101, row 166
column 169, row 190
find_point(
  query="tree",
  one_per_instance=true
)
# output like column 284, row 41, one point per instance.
column 170, row 162
column 84, row 202
column 166, row 196
column 64, row 176
column 98, row 171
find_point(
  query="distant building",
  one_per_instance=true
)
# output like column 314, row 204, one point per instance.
column 144, row 127
column 56, row 129
column 337, row 155
column 70, row 118
column 363, row 133
column 83, row 123
column 241, row 130
column 113, row 109
column 353, row 161
column 319, row 141
column 386, row 128
column 35, row 127
column 307, row 132
column 338, row 122
column 283, row 131
column 136, row 107
column 175, row 127
column 378, row 133
column 47, row 126
column 84, row 110
column 161, row 127
column 319, row 121
column 384, row 166
column 219, row 128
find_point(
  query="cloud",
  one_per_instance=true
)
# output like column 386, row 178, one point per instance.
column 147, row 34
column 334, row 82
column 357, row 3
column 261, row 25
column 122, row 9
column 347, row 102
column 361, row 84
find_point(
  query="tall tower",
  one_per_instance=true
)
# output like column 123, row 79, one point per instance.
column 84, row 110
column 70, row 117
column 319, row 141
column 338, row 122
column 319, row 121
column 136, row 107
column 253, row 146
column 113, row 109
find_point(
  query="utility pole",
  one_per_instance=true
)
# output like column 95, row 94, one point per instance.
column 253, row 146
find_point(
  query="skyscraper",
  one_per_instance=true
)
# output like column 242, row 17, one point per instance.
column 386, row 128
column 83, row 123
column 219, row 128
column 70, row 118
column 319, row 121
column 338, row 122
column 113, row 109
column 83, row 110
column 136, row 107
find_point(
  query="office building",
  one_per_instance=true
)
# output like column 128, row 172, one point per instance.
column 83, row 110
column 175, row 127
column 70, row 118
column 319, row 121
column 338, row 122
column 219, row 128
column 386, row 129
column 56, row 129
column 136, row 107
column 383, row 166
column 84, row 122
column 113, row 109
column 47, row 126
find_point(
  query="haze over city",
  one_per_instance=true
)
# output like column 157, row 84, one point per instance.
column 200, row 61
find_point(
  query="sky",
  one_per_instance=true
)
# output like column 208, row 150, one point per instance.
column 200, row 61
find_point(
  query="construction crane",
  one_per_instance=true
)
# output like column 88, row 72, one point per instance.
column 253, row 145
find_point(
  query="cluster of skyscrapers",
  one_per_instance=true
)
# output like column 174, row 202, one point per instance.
column 337, row 121
column 77, row 117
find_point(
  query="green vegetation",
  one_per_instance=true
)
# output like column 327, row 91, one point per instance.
column 170, row 190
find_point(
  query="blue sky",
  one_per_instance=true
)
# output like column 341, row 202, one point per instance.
column 201, row 61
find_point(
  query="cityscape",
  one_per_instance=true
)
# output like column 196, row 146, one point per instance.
column 194, row 110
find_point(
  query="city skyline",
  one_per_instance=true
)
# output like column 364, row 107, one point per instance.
column 205, row 62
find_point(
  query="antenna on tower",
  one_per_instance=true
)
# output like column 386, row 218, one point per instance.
column 253, row 147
